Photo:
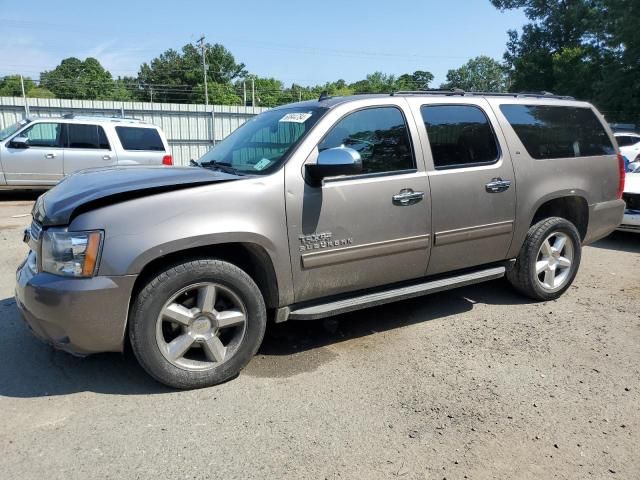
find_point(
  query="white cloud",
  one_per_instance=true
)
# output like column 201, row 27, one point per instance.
column 26, row 56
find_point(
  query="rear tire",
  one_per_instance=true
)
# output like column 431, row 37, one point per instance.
column 197, row 323
column 548, row 260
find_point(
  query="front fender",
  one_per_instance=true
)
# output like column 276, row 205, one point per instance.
column 138, row 231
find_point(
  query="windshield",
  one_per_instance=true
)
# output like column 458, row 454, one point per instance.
column 260, row 145
column 11, row 129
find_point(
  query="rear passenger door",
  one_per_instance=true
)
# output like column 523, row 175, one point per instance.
column 473, row 191
column 86, row 147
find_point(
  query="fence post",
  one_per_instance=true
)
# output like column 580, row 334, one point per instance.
column 213, row 126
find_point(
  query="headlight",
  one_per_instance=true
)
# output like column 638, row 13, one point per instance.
column 71, row 254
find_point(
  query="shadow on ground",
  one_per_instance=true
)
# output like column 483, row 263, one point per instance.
column 20, row 195
column 620, row 241
column 29, row 368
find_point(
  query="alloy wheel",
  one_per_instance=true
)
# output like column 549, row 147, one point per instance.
column 201, row 326
column 554, row 260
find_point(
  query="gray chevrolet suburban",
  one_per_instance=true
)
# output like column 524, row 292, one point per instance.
column 314, row 209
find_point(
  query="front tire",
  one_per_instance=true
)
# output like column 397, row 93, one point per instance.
column 197, row 323
column 548, row 260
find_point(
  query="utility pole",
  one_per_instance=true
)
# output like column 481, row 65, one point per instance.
column 203, row 49
column 24, row 97
column 253, row 92
column 244, row 93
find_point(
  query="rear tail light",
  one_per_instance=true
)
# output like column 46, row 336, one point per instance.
column 621, row 171
column 167, row 160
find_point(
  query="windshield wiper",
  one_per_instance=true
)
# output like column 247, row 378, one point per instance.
column 221, row 166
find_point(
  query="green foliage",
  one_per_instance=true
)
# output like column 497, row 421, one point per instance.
column 586, row 48
column 10, row 86
column 176, row 75
column 75, row 78
column 40, row 92
column 418, row 80
column 480, row 74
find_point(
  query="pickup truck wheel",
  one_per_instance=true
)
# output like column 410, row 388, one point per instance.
column 548, row 260
column 197, row 323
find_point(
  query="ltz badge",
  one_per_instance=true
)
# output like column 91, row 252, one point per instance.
column 317, row 241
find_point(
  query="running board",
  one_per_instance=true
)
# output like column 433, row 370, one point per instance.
column 380, row 298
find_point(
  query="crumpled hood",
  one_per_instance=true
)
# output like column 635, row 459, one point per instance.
column 100, row 186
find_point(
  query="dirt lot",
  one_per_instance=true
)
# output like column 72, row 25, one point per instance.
column 473, row 383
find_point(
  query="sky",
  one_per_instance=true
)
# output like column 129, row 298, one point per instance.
column 292, row 41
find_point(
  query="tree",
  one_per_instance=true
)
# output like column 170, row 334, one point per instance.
column 376, row 82
column 480, row 74
column 10, row 86
column 175, row 76
column 418, row 80
column 40, row 92
column 75, row 78
column 586, row 48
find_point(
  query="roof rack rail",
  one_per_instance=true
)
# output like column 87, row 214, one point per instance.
column 68, row 115
column 434, row 91
column 462, row 93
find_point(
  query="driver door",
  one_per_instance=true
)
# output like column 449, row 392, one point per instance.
column 41, row 163
column 354, row 232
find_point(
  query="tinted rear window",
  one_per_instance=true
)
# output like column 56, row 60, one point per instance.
column 627, row 141
column 133, row 138
column 558, row 132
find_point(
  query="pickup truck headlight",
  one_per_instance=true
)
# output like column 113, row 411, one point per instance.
column 71, row 254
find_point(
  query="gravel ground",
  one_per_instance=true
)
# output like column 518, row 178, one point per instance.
column 473, row 383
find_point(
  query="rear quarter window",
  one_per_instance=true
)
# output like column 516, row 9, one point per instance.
column 140, row 139
column 558, row 131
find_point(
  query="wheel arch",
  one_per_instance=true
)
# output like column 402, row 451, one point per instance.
column 250, row 257
column 573, row 208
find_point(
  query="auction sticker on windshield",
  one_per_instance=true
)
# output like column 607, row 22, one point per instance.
column 262, row 164
column 296, row 117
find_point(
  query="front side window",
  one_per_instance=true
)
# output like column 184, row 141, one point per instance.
column 379, row 134
column 140, row 139
column 558, row 131
column 260, row 145
column 11, row 129
column 459, row 135
column 43, row 135
column 86, row 136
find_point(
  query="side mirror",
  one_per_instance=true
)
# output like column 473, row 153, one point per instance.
column 19, row 142
column 333, row 162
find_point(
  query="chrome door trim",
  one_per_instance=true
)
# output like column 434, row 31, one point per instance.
column 361, row 252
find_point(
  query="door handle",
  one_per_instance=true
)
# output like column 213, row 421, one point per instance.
column 49, row 155
column 407, row 197
column 497, row 185
column 106, row 157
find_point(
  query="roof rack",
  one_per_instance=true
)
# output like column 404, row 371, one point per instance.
column 462, row 93
column 102, row 118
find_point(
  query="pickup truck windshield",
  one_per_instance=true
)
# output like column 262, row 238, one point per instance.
column 260, row 145
column 11, row 129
